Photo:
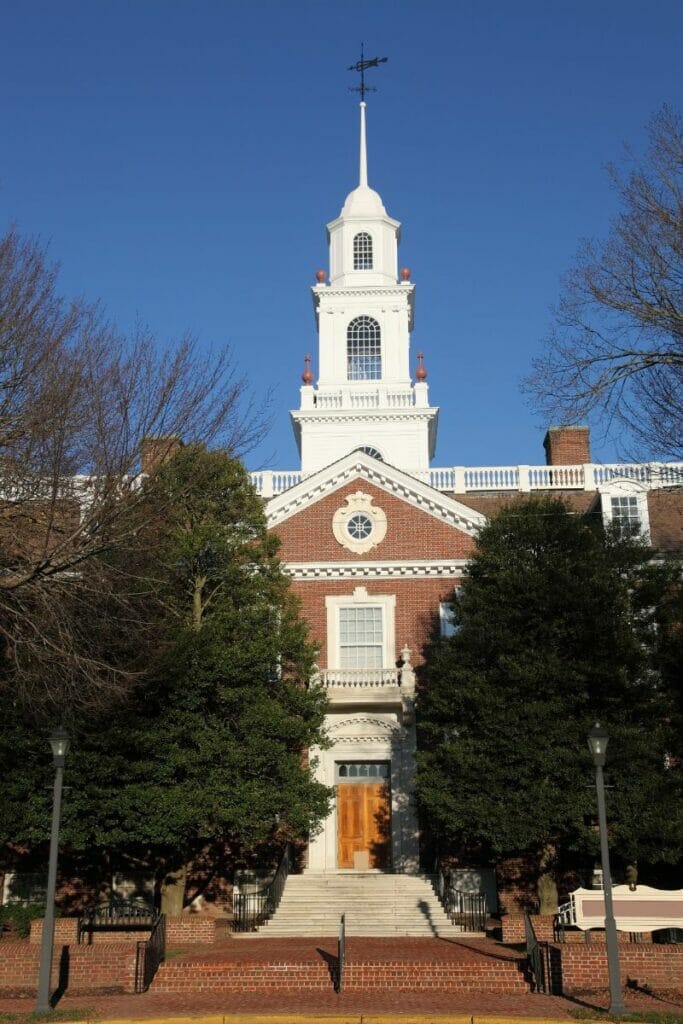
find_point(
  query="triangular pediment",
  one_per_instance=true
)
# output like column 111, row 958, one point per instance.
column 359, row 466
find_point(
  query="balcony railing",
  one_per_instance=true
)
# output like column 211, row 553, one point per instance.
column 358, row 678
column 369, row 398
column 462, row 479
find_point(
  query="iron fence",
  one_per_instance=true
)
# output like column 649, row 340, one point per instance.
column 252, row 909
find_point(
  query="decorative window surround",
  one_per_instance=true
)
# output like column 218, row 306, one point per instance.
column 360, row 598
column 360, row 525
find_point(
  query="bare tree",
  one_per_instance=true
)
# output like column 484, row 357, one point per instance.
column 617, row 346
column 77, row 401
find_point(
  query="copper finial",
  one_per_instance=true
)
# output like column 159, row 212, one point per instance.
column 307, row 376
column 420, row 373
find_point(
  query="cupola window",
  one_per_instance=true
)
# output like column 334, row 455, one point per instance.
column 362, row 251
column 364, row 350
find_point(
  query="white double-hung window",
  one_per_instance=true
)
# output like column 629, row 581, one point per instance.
column 361, row 637
column 361, row 630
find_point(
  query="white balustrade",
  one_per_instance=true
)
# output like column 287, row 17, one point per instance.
column 363, row 398
column 358, row 678
column 461, row 479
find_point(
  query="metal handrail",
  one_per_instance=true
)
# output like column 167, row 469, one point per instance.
column 252, row 909
column 537, row 957
column 466, row 909
column 150, row 953
column 341, row 954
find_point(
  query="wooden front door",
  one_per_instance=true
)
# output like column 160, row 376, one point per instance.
column 363, row 825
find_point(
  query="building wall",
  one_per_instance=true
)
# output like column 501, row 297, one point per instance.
column 417, row 608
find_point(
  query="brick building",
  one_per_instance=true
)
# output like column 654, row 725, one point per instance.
column 376, row 540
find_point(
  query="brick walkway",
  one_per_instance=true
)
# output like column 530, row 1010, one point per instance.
column 400, row 1005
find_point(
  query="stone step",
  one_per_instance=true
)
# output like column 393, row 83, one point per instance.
column 375, row 904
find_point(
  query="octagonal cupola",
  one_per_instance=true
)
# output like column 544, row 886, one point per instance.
column 364, row 239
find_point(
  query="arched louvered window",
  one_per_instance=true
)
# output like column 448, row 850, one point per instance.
column 370, row 450
column 362, row 251
column 364, row 349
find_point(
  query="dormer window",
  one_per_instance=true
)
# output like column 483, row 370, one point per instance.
column 364, row 349
column 624, row 507
column 362, row 251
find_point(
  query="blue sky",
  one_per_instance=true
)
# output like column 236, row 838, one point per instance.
column 181, row 160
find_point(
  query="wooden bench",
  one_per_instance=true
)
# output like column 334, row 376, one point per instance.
column 642, row 909
column 117, row 916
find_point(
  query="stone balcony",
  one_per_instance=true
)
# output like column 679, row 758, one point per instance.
column 390, row 687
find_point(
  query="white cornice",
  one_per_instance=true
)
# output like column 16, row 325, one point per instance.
column 324, row 291
column 408, row 569
column 357, row 465
column 397, row 414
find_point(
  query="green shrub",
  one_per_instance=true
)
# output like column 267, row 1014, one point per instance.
column 18, row 917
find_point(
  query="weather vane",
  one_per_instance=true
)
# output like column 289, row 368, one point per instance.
column 361, row 66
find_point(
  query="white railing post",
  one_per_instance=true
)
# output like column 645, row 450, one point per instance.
column 266, row 481
column 589, row 476
column 524, row 479
column 459, row 479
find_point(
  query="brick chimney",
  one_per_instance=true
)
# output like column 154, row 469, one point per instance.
column 157, row 450
column 567, row 446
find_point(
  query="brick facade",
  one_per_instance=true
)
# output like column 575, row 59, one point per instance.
column 417, row 608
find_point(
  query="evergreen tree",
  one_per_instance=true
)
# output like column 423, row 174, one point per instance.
column 209, row 749
column 556, row 629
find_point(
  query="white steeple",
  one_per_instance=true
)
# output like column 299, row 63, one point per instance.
column 363, row 172
column 365, row 397
column 363, row 212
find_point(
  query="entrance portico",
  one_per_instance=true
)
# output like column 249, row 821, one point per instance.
column 372, row 825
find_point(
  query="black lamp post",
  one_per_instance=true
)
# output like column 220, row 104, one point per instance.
column 597, row 744
column 59, row 742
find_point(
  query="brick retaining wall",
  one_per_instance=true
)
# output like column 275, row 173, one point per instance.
column 513, row 928
column 584, row 968
column 185, row 930
column 89, row 969
column 66, row 931
column 190, row 929
column 513, row 932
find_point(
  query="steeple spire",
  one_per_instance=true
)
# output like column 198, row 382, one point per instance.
column 363, row 176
